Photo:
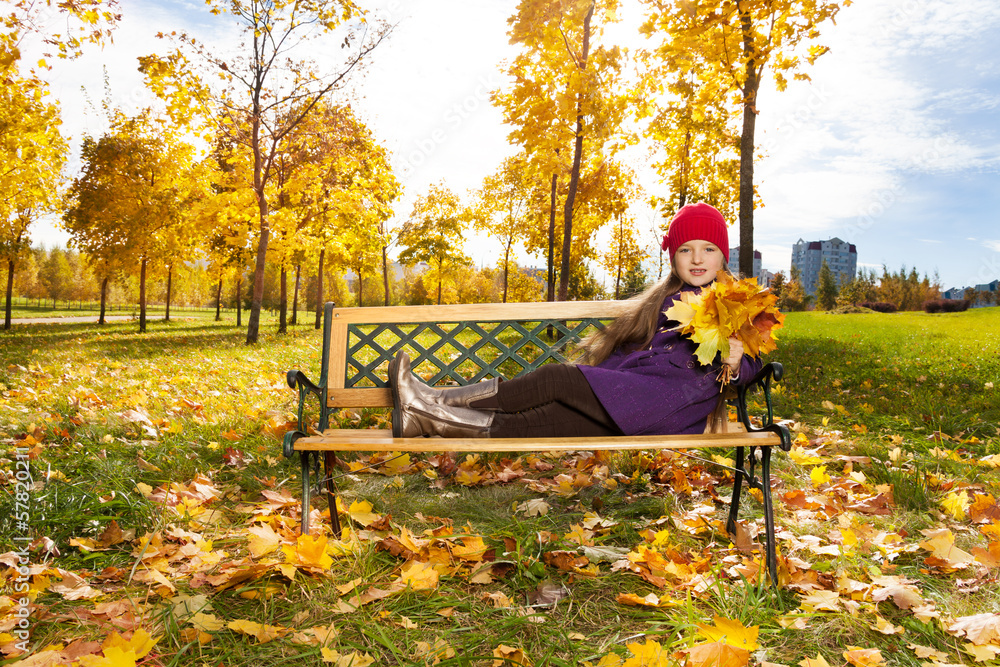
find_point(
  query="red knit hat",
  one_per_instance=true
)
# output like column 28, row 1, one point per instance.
column 697, row 221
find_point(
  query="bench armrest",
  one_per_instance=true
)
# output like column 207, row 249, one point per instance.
column 298, row 380
column 772, row 371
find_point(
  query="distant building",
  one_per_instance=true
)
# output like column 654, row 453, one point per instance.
column 840, row 256
column 983, row 294
column 734, row 263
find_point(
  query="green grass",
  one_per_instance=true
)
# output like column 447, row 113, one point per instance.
column 905, row 373
column 899, row 380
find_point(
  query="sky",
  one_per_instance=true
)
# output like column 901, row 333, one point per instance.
column 894, row 144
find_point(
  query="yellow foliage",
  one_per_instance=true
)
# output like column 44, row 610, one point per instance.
column 724, row 309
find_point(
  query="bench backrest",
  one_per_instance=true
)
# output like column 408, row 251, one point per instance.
column 459, row 344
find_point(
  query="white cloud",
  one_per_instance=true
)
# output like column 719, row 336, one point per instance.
column 992, row 245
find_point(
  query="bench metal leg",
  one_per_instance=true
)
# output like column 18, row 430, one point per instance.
column 764, row 485
column 734, row 505
column 329, row 464
column 772, row 549
column 306, row 488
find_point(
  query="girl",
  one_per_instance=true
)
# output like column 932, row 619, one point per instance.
column 636, row 377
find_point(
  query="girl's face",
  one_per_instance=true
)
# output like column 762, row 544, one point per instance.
column 697, row 262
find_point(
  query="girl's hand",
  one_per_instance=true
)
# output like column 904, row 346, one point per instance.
column 735, row 355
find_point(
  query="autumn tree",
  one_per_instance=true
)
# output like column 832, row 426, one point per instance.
column 32, row 154
column 694, row 148
column 734, row 42
column 264, row 90
column 565, row 98
column 63, row 27
column 433, row 233
column 826, row 288
column 128, row 204
column 501, row 208
column 793, row 295
column 336, row 184
column 624, row 254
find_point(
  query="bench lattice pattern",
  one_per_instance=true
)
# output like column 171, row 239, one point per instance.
column 461, row 352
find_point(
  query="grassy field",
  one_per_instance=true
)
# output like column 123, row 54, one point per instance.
column 159, row 503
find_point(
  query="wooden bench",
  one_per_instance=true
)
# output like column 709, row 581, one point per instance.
column 472, row 342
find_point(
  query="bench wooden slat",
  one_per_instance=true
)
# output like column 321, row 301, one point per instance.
column 479, row 312
column 360, row 397
column 350, row 440
column 338, row 356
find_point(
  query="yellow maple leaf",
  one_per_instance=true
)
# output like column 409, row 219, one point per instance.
column 507, row 656
column 650, row 654
column 980, row 629
column 467, row 477
column 438, row 651
column 262, row 633
column 803, row 457
column 819, row 477
column 397, row 464
column 941, row 544
column 352, row 659
column 821, row 600
column 863, row 657
column 263, row 540
column 731, row 632
column 114, row 656
column 419, row 576
column 309, row 551
column 361, row 512
column 956, row 504
column 818, row 661
column 717, row 654
column 206, row 622
column 140, row 643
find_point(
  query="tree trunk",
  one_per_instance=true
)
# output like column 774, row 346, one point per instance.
column 218, row 302
column 319, row 289
column 295, row 297
column 361, row 292
column 385, row 275
column 239, row 300
column 746, row 149
column 551, row 296
column 253, row 322
column 440, row 280
column 142, row 297
column 283, row 302
column 170, row 284
column 10, row 293
column 104, row 299
column 506, row 271
column 574, row 177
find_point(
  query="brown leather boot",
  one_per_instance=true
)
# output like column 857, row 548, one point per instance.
column 419, row 410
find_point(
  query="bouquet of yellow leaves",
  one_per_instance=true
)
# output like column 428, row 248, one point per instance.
column 728, row 308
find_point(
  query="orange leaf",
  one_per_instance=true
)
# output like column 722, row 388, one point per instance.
column 863, row 657
column 508, row 655
column 717, row 654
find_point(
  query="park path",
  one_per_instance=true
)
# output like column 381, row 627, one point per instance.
column 68, row 320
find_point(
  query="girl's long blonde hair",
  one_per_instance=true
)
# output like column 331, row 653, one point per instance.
column 634, row 327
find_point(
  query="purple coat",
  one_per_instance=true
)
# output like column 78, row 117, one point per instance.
column 661, row 390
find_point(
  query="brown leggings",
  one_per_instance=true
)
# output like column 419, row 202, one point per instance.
column 553, row 401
